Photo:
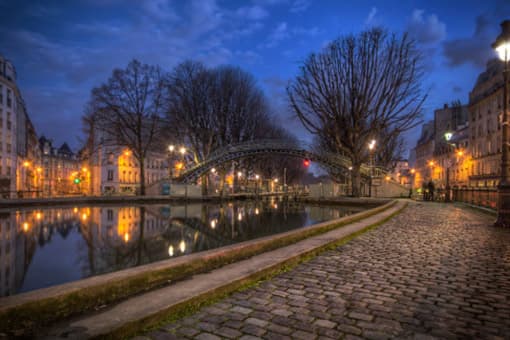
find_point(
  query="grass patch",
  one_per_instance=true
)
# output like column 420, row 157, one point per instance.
column 28, row 319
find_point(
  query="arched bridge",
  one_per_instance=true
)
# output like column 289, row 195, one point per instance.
column 337, row 163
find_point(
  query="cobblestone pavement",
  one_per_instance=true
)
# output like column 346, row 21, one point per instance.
column 434, row 271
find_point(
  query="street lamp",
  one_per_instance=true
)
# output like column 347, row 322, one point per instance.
column 371, row 147
column 448, row 136
column 502, row 47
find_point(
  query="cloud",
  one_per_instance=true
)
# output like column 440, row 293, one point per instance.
column 298, row 6
column 474, row 50
column 159, row 9
column 371, row 20
column 252, row 13
column 426, row 30
column 280, row 33
column 249, row 56
column 311, row 32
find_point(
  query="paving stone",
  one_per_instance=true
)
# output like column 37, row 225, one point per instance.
column 257, row 322
column 158, row 335
column 324, row 323
column 241, row 310
column 282, row 312
column 279, row 329
column 433, row 271
column 188, row 331
column 253, row 330
column 228, row 332
column 249, row 337
column 207, row 336
column 303, row 335
column 361, row 316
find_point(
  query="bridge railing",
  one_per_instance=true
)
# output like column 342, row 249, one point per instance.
column 336, row 162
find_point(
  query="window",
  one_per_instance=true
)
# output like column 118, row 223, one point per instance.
column 9, row 99
column 109, row 215
column 110, row 175
column 1, row 94
column 9, row 125
column 110, row 158
column 8, row 148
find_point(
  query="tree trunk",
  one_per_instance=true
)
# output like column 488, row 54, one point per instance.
column 142, row 177
column 356, row 180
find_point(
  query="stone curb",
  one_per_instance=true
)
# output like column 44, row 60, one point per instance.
column 146, row 308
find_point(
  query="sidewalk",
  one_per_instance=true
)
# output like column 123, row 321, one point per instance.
column 433, row 271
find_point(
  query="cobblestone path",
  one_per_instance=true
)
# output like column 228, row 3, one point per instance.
column 434, row 271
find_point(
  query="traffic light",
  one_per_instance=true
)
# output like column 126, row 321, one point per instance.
column 77, row 180
column 306, row 163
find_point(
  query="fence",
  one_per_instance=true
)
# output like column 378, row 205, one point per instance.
column 484, row 197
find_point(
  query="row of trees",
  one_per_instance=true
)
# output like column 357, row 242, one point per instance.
column 145, row 109
column 356, row 89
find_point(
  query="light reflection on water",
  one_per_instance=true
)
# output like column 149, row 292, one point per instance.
column 44, row 247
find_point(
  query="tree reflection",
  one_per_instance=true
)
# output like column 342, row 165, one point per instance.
column 111, row 238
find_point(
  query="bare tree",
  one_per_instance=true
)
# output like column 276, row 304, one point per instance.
column 357, row 87
column 127, row 111
column 211, row 108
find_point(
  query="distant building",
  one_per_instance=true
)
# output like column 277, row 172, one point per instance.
column 450, row 142
column 60, row 171
column 424, row 152
column 114, row 169
column 401, row 172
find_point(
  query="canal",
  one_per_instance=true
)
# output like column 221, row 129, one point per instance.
column 49, row 246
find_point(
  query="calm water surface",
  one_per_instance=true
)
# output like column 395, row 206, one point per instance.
column 45, row 247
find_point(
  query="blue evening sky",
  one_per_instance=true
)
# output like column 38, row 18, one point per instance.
column 61, row 49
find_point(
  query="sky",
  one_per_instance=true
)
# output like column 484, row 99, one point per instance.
column 63, row 49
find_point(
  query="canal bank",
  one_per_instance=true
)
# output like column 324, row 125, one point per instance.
column 31, row 310
column 80, row 200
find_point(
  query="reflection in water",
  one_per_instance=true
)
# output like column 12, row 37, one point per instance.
column 45, row 247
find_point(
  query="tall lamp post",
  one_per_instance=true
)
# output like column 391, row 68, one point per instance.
column 448, row 137
column 371, row 147
column 502, row 46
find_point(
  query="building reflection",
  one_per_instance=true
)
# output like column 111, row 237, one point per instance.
column 84, row 241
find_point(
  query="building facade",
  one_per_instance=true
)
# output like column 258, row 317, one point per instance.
column 424, row 152
column 114, row 170
column 486, row 111
column 9, row 102
column 61, row 172
column 465, row 140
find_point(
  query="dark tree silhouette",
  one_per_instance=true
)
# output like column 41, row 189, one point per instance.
column 359, row 88
column 211, row 108
column 127, row 111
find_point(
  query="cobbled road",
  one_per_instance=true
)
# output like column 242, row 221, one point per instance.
column 433, row 271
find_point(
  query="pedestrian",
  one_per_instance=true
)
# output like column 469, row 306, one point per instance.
column 431, row 188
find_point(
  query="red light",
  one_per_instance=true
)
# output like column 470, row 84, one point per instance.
column 306, row 162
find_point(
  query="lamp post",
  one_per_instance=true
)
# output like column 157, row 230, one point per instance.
column 448, row 137
column 171, row 149
column 371, row 147
column 502, row 46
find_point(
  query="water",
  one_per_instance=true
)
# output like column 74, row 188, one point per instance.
column 49, row 246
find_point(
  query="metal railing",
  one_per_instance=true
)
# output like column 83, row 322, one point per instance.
column 483, row 197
